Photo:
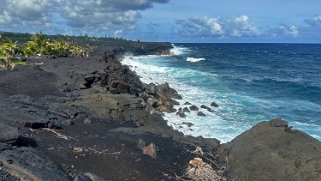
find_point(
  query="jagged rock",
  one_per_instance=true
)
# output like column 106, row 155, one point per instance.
column 151, row 89
column 213, row 104
column 120, row 79
column 28, row 164
column 8, row 134
column 200, row 113
column 207, row 108
column 186, row 109
column 268, row 152
column 152, row 102
column 187, row 103
column 180, row 113
column 164, row 91
column 150, row 150
column 117, row 87
column 193, row 108
column 90, row 79
column 188, row 124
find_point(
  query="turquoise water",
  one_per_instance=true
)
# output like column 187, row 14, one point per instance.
column 250, row 82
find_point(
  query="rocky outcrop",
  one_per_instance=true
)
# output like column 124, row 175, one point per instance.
column 181, row 113
column 193, row 108
column 200, row 113
column 272, row 151
column 116, row 78
column 161, row 97
column 207, row 108
column 214, row 104
column 28, row 164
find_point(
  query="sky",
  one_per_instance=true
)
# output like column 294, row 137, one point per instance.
column 192, row 21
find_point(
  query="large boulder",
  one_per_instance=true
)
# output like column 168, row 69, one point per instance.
column 164, row 95
column 165, row 92
column 272, row 151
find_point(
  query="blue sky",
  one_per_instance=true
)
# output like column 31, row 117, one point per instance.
column 169, row 20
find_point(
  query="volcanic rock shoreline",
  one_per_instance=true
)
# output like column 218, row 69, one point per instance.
column 93, row 119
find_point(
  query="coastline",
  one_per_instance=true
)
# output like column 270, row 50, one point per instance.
column 91, row 118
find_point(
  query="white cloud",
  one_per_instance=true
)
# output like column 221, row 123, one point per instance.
column 314, row 23
column 288, row 30
column 82, row 16
column 217, row 27
column 242, row 26
column 108, row 15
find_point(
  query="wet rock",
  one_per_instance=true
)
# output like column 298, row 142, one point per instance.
column 207, row 108
column 167, row 94
column 213, row 104
column 150, row 150
column 268, row 152
column 188, row 124
column 181, row 113
column 193, row 108
column 186, row 110
column 187, row 103
column 8, row 134
column 200, row 113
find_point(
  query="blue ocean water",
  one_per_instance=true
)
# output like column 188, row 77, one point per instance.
column 250, row 82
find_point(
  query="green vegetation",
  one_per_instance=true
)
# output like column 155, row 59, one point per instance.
column 24, row 37
column 38, row 45
column 22, row 63
column 8, row 50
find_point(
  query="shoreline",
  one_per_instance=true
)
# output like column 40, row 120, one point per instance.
column 90, row 119
column 178, row 72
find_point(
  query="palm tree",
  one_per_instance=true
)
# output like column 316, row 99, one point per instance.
column 7, row 51
column 40, row 43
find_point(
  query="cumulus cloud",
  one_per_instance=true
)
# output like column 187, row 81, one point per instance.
column 287, row 30
column 19, row 11
column 86, row 15
column 314, row 23
column 217, row 27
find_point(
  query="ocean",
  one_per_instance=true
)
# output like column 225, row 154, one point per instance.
column 251, row 83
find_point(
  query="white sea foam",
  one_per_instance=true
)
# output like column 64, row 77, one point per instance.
column 193, row 60
column 215, row 125
column 231, row 118
column 177, row 50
